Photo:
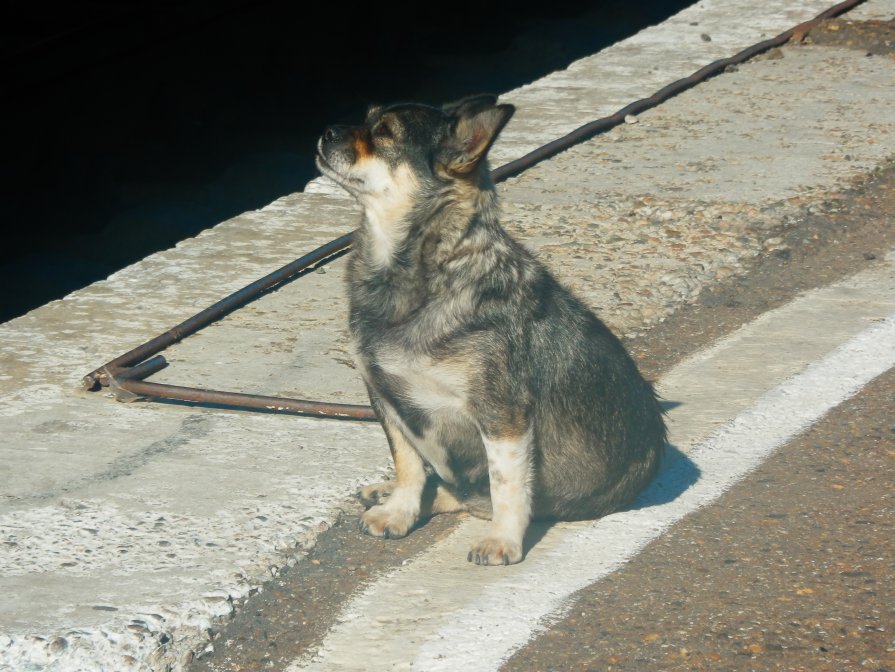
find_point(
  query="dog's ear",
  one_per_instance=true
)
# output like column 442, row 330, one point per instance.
column 372, row 111
column 475, row 125
column 469, row 104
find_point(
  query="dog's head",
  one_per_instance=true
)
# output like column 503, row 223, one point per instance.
column 401, row 147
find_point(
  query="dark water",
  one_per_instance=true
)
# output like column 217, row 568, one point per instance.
column 131, row 128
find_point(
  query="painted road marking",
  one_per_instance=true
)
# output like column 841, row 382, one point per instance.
column 439, row 613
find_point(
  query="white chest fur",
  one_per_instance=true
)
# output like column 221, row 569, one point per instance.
column 437, row 388
column 430, row 385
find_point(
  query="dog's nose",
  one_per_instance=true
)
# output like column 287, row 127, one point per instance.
column 333, row 133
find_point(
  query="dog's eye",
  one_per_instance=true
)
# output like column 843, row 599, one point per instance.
column 382, row 131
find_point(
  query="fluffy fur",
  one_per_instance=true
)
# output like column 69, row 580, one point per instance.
column 499, row 391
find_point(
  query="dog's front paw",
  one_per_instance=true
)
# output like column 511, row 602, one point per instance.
column 382, row 521
column 495, row 551
column 376, row 493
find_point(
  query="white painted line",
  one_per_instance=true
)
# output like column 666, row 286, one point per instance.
column 716, row 384
column 439, row 613
column 519, row 606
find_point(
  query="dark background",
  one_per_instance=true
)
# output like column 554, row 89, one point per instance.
column 130, row 127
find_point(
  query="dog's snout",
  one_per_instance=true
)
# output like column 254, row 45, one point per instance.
column 333, row 133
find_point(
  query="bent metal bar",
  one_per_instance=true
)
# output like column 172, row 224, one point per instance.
column 125, row 375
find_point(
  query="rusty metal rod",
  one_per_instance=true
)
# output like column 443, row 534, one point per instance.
column 126, row 379
column 141, row 371
column 327, row 252
column 141, row 388
column 589, row 130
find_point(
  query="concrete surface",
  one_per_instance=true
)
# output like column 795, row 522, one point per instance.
column 128, row 529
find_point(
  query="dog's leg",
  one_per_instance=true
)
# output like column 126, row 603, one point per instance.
column 376, row 493
column 436, row 498
column 509, row 469
column 397, row 513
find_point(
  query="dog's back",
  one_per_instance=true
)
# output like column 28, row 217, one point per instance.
column 598, row 424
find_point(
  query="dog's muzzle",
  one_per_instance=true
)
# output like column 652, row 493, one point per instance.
column 334, row 145
column 334, row 134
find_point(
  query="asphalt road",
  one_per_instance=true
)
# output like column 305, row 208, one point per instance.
column 793, row 568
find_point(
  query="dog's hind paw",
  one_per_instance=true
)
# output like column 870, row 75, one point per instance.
column 380, row 521
column 375, row 493
column 494, row 551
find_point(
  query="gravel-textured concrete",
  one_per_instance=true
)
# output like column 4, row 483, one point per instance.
column 128, row 529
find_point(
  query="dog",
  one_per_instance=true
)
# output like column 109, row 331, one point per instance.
column 500, row 393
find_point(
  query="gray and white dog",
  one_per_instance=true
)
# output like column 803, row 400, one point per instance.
column 500, row 392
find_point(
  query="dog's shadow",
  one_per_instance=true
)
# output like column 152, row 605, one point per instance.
column 676, row 475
